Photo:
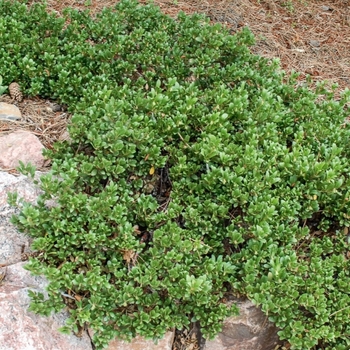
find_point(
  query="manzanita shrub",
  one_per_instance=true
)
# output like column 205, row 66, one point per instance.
column 196, row 169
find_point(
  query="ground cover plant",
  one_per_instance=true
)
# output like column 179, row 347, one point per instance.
column 195, row 169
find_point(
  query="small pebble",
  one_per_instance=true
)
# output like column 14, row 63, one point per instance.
column 56, row 108
column 9, row 112
column 314, row 43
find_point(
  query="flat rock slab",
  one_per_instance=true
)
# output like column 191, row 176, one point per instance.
column 9, row 112
column 247, row 331
column 21, row 329
column 12, row 241
column 20, row 146
column 21, row 184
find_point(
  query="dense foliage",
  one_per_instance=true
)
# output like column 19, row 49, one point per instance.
column 196, row 169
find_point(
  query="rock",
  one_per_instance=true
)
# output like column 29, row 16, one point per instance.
column 54, row 107
column 250, row 330
column 20, row 145
column 139, row 343
column 314, row 43
column 22, row 184
column 21, row 329
column 12, row 242
column 326, row 8
column 9, row 112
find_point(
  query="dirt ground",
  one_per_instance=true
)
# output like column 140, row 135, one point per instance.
column 308, row 36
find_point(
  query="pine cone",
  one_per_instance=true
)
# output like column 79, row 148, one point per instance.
column 15, row 92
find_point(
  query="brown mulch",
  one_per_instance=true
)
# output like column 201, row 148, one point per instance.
column 39, row 117
column 312, row 38
column 187, row 339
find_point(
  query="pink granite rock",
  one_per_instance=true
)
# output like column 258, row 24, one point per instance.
column 20, row 145
column 11, row 240
column 19, row 183
column 251, row 330
column 23, row 330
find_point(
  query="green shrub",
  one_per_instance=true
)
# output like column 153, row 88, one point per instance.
column 196, row 168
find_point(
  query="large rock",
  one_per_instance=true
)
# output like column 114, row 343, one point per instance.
column 21, row 329
column 9, row 112
column 19, row 183
column 12, row 242
column 251, row 330
column 20, row 145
